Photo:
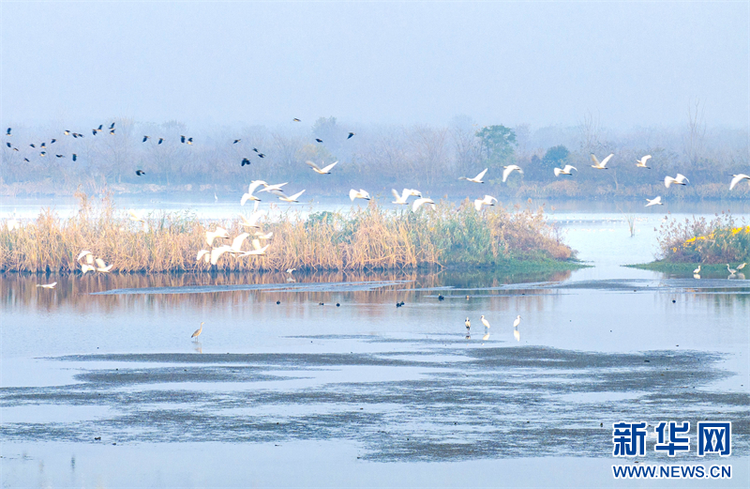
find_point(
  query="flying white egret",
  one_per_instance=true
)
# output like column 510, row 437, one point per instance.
column 272, row 188
column 197, row 332
column 485, row 322
column 741, row 266
column 419, row 202
column 257, row 249
column 487, row 200
column 322, row 171
column 517, row 321
column 252, row 222
column 48, row 286
column 642, row 162
column 102, row 267
column 250, row 189
column 510, row 169
column 602, row 165
column 291, row 199
column 264, row 237
column 134, row 216
column 680, row 179
column 476, row 179
column 205, row 254
column 656, row 201
column 86, row 268
column 564, row 171
column 89, row 257
column 359, row 194
column 13, row 224
column 237, row 242
column 219, row 232
column 737, row 179
column 217, row 252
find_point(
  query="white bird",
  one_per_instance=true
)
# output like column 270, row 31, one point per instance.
column 731, row 271
column 487, row 200
column 218, row 233
column 359, row 194
column 290, row 270
column 86, row 268
column 602, row 165
column 642, row 162
column 737, row 179
column 134, row 216
column 517, row 321
column 323, row 171
column 467, row 323
column 252, row 222
column 476, row 179
column 89, row 257
column 251, row 188
column 205, row 254
column 419, row 202
column 197, row 332
column 564, row 171
column 698, row 270
column 262, row 236
column 282, row 196
column 237, row 242
column 740, row 267
column 510, row 169
column 48, row 286
column 257, row 249
column 485, row 322
column 272, row 188
column 405, row 194
column 217, row 252
column 103, row 267
column 13, row 224
column 656, row 201
column 680, row 179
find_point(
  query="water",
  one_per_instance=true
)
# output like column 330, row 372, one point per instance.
column 303, row 394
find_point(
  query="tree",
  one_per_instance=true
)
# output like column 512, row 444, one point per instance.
column 556, row 156
column 497, row 145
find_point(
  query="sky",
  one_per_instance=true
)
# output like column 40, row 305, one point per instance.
column 540, row 63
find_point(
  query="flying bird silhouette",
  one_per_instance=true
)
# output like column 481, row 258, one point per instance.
column 111, row 126
column 319, row 140
column 245, row 161
column 7, row 133
column 236, row 141
column 161, row 140
column 146, row 138
column 53, row 141
column 75, row 156
column 140, row 172
column 182, row 138
column 7, row 144
column 296, row 120
column 350, row 135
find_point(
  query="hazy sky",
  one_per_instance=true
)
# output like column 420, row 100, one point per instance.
column 634, row 63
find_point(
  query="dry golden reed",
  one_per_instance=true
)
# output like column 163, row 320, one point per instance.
column 371, row 238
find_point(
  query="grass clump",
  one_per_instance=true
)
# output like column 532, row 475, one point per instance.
column 368, row 239
column 698, row 240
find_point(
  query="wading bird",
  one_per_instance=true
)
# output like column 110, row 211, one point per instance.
column 322, row 171
column 421, row 201
column 564, row 171
column 737, row 179
column 359, row 194
column 642, row 162
column 698, row 270
column 487, row 200
column 510, row 169
column 476, row 179
column 48, row 286
column 485, row 322
column 680, row 179
column 197, row 332
column 602, row 165
column 656, row 201
column 517, row 321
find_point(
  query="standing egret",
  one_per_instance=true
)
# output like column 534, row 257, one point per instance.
column 642, row 162
column 510, row 169
column 197, row 332
column 602, row 165
column 656, row 201
column 517, row 321
column 680, row 179
column 737, row 179
column 476, row 179
column 698, row 270
column 322, row 171
column 485, row 322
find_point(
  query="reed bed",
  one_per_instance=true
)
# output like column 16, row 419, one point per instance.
column 698, row 240
column 367, row 239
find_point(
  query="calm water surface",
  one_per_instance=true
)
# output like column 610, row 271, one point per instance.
column 365, row 393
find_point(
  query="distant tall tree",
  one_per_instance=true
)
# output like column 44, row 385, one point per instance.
column 556, row 156
column 497, row 145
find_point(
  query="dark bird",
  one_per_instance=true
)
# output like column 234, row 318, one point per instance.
column 255, row 149
column 111, row 131
column 338, row 304
column 53, row 141
column 319, row 140
column 236, row 141
column 296, row 120
column 43, row 153
column 93, row 131
column 350, row 135
column 26, row 160
column 161, row 140
column 146, row 138
column 60, row 156
column 261, row 155
column 182, row 138
column 111, row 126
column 44, row 145
column 140, row 172
column 15, row 149
column 7, row 144
column 441, row 298
column 66, row 132
column 190, row 141
column 75, row 135
column 7, row 133
column 398, row 304
column 245, row 161
column 32, row 145
column 99, row 129
column 75, row 156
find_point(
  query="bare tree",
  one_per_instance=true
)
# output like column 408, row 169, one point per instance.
column 696, row 130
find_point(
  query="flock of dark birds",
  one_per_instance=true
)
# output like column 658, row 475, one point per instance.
column 111, row 129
